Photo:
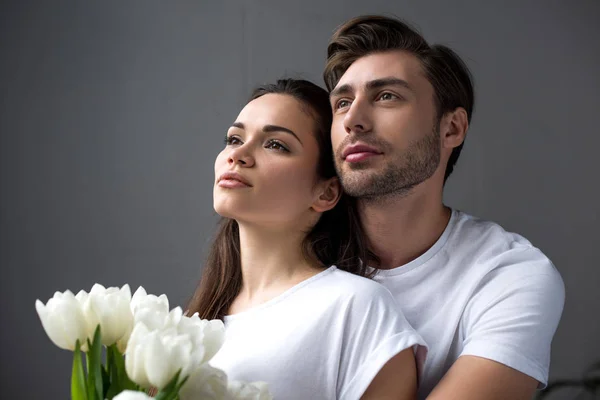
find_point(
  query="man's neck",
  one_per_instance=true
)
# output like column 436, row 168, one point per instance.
column 402, row 228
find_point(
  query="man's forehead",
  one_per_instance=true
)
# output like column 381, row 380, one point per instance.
column 398, row 64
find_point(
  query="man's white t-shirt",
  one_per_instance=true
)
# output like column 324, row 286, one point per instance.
column 480, row 291
column 325, row 338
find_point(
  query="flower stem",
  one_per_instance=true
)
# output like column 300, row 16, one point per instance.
column 78, row 383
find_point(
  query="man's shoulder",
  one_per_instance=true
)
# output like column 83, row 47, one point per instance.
column 486, row 232
column 484, row 239
column 487, row 246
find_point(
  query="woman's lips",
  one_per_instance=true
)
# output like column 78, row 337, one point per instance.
column 232, row 184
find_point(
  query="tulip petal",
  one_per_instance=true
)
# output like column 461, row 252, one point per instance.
column 132, row 395
column 62, row 319
column 126, row 290
column 214, row 332
column 97, row 288
column 54, row 333
column 134, row 356
column 205, row 382
column 157, row 362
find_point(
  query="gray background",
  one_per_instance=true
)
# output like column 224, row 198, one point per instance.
column 112, row 112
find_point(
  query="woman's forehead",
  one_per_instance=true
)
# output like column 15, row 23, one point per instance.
column 279, row 109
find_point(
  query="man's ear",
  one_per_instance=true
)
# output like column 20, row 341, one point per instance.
column 328, row 193
column 453, row 128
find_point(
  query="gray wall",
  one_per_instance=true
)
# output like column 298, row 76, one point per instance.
column 112, row 112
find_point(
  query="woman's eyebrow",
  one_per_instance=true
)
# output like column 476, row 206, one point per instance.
column 269, row 128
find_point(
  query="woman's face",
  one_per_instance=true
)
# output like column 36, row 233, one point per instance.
column 267, row 172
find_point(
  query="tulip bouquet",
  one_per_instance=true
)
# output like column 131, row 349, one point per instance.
column 134, row 345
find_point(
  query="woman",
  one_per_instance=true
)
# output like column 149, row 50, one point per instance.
column 283, row 272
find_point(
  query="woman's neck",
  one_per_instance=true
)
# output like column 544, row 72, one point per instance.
column 272, row 261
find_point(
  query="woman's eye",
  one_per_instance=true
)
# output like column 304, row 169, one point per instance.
column 275, row 145
column 232, row 140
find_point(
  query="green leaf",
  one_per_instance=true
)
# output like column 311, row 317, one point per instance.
column 181, row 384
column 111, row 362
column 105, row 381
column 94, row 363
column 119, row 361
column 78, row 389
column 170, row 391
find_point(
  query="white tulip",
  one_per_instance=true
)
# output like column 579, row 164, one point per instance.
column 132, row 395
column 153, row 358
column 214, row 332
column 206, row 383
column 141, row 300
column 109, row 308
column 210, row 334
column 63, row 320
column 147, row 308
column 237, row 390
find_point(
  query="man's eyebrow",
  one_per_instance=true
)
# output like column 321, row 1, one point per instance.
column 269, row 128
column 341, row 90
column 346, row 89
column 390, row 81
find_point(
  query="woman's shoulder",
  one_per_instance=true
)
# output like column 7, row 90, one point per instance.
column 357, row 287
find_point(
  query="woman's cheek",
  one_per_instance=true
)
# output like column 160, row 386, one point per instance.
column 220, row 161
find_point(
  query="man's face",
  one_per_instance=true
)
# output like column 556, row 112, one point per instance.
column 385, row 131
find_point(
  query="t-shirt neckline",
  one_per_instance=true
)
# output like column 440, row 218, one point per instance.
column 423, row 258
column 281, row 296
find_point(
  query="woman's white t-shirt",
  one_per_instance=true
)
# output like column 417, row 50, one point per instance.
column 325, row 338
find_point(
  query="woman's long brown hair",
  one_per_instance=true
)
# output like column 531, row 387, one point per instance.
column 336, row 239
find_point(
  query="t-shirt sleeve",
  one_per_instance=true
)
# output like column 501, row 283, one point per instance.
column 514, row 314
column 375, row 331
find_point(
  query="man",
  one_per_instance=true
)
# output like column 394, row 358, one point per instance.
column 485, row 300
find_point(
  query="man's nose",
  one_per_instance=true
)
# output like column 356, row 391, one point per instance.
column 358, row 120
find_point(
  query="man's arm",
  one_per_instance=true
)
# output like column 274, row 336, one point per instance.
column 475, row 378
column 507, row 330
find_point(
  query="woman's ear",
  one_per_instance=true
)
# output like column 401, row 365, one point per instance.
column 328, row 194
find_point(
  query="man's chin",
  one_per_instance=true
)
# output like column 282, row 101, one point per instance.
column 356, row 185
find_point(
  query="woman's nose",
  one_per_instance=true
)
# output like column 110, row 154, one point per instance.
column 241, row 156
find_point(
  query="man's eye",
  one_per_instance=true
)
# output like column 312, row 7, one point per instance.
column 342, row 104
column 387, row 96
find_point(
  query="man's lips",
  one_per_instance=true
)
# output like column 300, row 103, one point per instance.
column 232, row 180
column 359, row 152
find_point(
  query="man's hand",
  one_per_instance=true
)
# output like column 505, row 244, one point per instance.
column 476, row 378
